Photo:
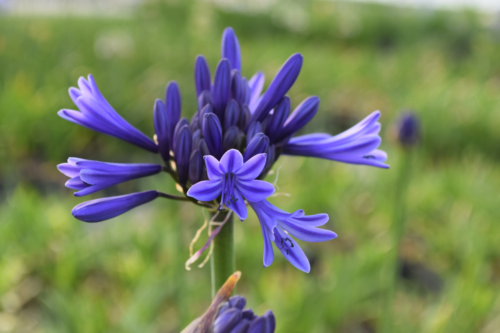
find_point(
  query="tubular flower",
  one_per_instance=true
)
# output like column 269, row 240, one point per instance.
column 357, row 145
column 98, row 115
column 234, row 181
column 279, row 226
column 92, row 176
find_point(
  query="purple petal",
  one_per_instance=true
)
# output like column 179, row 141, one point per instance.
column 213, row 169
column 162, row 126
column 69, row 170
column 173, row 107
column 299, row 117
column 231, row 48
column 256, row 84
column 295, row 254
column 259, row 325
column 280, row 85
column 222, row 87
column 107, row 208
column 254, row 190
column 231, row 162
column 306, row 232
column 212, row 131
column 201, row 75
column 206, row 190
column 227, row 320
column 252, row 168
column 238, row 205
column 76, row 183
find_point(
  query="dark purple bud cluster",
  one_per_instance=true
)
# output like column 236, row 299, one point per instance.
column 233, row 318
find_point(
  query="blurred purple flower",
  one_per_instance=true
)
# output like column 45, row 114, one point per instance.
column 408, row 127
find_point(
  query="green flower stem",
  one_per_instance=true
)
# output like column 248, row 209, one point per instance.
column 223, row 262
column 397, row 231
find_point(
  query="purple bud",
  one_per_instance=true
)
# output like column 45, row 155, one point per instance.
column 227, row 320
column 107, row 208
column 204, row 99
column 196, row 139
column 248, row 92
column 195, row 121
column 161, row 123
column 206, row 109
column 252, row 130
column 204, row 148
column 280, row 85
column 271, row 157
column 182, row 152
column 299, row 117
column 271, row 320
column 232, row 114
column 222, row 87
column 245, row 115
column 238, row 302
column 173, row 106
column 259, row 325
column 248, row 314
column 183, row 122
column 196, row 165
column 201, row 75
column 231, row 48
column 258, row 145
column 277, row 119
column 232, row 138
column 212, row 132
column 237, row 87
column 408, row 129
column 242, row 326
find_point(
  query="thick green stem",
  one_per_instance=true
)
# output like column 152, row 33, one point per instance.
column 223, row 262
column 397, row 230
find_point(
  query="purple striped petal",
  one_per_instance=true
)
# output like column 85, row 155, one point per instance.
column 231, row 162
column 231, row 48
column 202, row 76
column 252, row 168
column 254, row 190
column 173, row 106
column 213, row 170
column 222, row 87
column 206, row 190
column 280, row 85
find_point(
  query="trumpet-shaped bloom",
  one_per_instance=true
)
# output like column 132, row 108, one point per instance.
column 234, row 181
column 92, row 176
column 357, row 145
column 98, row 115
column 279, row 226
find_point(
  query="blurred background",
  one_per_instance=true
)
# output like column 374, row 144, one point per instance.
column 439, row 59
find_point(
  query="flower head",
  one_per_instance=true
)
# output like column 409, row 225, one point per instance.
column 234, row 181
column 279, row 226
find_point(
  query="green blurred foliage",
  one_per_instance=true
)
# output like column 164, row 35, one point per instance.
column 127, row 275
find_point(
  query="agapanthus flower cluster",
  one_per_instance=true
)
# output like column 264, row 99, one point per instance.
column 221, row 155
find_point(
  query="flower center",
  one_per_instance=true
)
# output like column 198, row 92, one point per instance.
column 227, row 191
column 287, row 244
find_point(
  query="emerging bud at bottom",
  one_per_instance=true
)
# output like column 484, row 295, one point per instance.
column 226, row 315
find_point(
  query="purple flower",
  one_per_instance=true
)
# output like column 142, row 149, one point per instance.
column 92, row 176
column 408, row 127
column 279, row 226
column 234, row 181
column 98, row 115
column 107, row 208
column 357, row 145
column 233, row 318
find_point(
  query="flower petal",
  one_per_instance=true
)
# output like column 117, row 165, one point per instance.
column 238, row 205
column 206, row 190
column 252, row 168
column 231, row 48
column 307, row 233
column 213, row 170
column 255, row 190
column 295, row 255
column 231, row 162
